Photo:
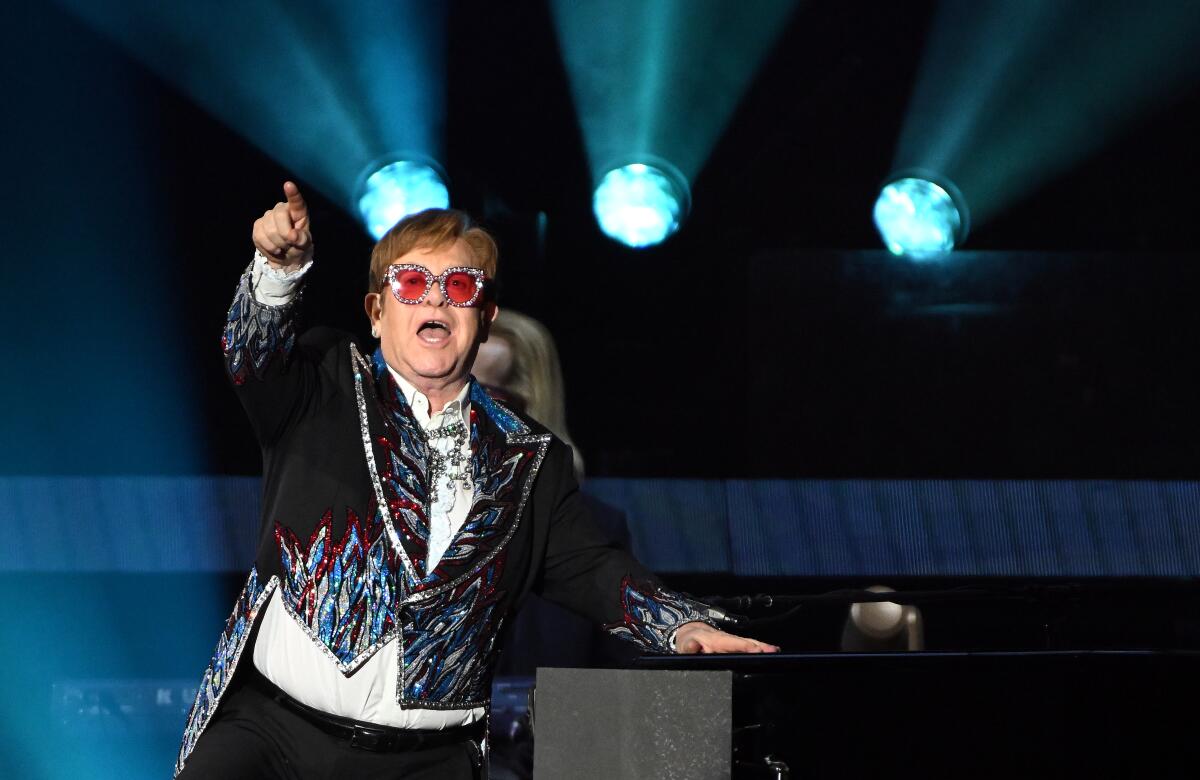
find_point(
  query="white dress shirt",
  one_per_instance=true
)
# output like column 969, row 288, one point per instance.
column 285, row 654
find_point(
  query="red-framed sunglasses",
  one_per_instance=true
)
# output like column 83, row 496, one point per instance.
column 461, row 285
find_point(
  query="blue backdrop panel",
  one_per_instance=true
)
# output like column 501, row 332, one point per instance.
column 132, row 524
column 967, row 527
column 675, row 524
column 850, row 528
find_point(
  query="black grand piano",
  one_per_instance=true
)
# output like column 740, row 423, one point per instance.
column 1036, row 707
column 1106, row 713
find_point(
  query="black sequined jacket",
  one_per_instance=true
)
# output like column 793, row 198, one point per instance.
column 344, row 524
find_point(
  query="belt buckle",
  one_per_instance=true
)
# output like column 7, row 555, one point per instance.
column 369, row 739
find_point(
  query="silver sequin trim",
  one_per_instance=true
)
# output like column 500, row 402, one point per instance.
column 347, row 668
column 542, row 441
column 268, row 589
column 413, row 704
column 360, row 366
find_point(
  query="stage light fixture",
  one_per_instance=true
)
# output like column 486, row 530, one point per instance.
column 641, row 204
column 390, row 192
column 920, row 218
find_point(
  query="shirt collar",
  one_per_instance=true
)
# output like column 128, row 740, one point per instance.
column 420, row 404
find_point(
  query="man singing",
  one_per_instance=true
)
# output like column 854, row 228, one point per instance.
column 405, row 516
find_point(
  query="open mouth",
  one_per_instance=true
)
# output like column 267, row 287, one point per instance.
column 433, row 331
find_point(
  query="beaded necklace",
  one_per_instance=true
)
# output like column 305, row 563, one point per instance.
column 450, row 466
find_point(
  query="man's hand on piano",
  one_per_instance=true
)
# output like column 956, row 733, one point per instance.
column 703, row 638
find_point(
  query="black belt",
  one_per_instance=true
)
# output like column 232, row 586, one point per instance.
column 369, row 736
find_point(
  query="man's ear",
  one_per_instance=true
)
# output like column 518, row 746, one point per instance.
column 373, row 307
column 487, row 317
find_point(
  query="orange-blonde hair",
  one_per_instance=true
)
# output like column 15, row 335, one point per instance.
column 431, row 229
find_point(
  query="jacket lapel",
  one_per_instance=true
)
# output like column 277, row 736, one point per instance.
column 505, row 458
column 396, row 459
column 505, row 455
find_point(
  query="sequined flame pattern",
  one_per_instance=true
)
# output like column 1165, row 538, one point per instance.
column 404, row 480
column 450, row 615
column 215, row 680
column 403, row 473
column 496, row 473
column 254, row 332
column 651, row 615
column 342, row 593
column 448, row 644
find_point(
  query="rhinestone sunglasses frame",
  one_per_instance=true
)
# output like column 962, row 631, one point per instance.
column 477, row 274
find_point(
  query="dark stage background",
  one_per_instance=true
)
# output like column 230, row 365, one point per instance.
column 1059, row 346
column 771, row 342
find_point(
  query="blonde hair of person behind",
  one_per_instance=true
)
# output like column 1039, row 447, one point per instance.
column 432, row 229
column 536, row 374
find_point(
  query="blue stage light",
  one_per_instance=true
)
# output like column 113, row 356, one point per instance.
column 920, row 219
column 392, row 192
column 641, row 205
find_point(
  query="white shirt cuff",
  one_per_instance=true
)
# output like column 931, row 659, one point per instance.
column 275, row 286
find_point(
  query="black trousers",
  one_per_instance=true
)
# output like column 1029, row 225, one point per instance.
column 252, row 737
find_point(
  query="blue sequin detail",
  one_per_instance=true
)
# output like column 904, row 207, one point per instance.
column 651, row 615
column 506, row 420
column 496, row 472
column 451, row 616
column 449, row 643
column 405, row 480
column 221, row 667
column 344, row 593
column 254, row 333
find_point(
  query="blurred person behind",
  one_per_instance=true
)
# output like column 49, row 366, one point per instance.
column 519, row 364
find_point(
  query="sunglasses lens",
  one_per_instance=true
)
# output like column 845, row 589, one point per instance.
column 461, row 287
column 409, row 285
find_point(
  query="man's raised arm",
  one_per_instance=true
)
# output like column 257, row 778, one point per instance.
column 261, row 330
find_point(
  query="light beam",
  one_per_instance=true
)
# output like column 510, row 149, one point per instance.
column 1012, row 92
column 323, row 87
column 660, row 80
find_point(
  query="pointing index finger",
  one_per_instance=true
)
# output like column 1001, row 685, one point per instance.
column 297, row 208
